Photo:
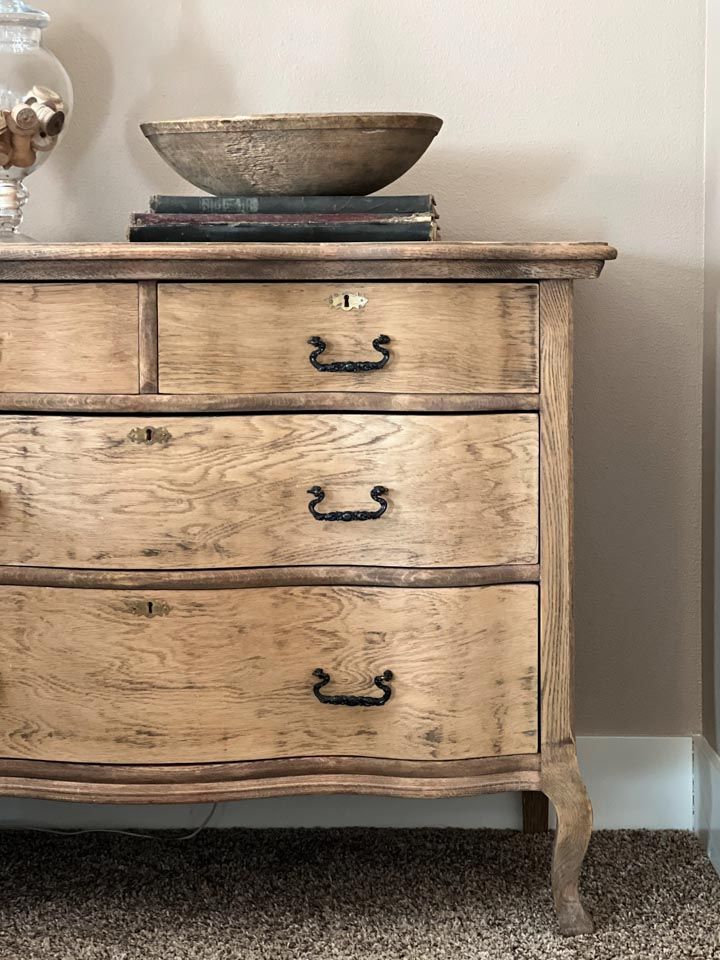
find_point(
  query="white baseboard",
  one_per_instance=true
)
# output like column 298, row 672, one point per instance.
column 634, row 782
column 707, row 798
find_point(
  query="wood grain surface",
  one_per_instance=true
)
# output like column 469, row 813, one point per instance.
column 243, row 578
column 445, row 338
column 232, row 491
column 228, row 675
column 337, row 402
column 561, row 780
column 556, row 515
column 69, row 338
column 208, row 782
column 148, row 337
column 454, row 250
column 170, row 262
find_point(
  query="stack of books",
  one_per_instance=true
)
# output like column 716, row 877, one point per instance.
column 285, row 220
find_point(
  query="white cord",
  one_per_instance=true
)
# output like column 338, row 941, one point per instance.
column 127, row 833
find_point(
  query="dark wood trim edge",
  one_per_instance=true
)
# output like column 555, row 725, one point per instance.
column 266, row 402
column 182, row 269
column 204, row 783
column 267, row 577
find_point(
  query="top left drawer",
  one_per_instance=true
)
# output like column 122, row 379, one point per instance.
column 68, row 338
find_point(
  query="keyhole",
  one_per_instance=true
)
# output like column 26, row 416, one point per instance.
column 150, row 608
column 148, row 434
column 346, row 301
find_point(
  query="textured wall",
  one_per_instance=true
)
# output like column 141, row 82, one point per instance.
column 566, row 119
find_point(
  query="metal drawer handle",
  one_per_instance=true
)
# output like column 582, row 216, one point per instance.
column 376, row 493
column 349, row 366
column 350, row 700
column 149, row 435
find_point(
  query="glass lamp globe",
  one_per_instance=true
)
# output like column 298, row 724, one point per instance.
column 35, row 105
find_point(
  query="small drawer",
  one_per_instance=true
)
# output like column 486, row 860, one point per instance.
column 427, row 338
column 88, row 676
column 269, row 490
column 68, row 338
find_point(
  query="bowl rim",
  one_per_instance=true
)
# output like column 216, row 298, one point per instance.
column 296, row 121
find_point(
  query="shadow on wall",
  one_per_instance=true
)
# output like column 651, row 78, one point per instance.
column 637, row 500
column 479, row 194
column 171, row 91
column 91, row 69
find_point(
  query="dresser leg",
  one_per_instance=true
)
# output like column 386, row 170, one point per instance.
column 534, row 811
column 563, row 785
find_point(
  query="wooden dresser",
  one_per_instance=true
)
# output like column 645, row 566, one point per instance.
column 283, row 519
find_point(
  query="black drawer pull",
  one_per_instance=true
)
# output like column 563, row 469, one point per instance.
column 350, row 700
column 349, row 366
column 376, row 493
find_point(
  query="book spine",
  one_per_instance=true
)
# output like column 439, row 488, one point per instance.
column 158, row 219
column 281, row 233
column 298, row 205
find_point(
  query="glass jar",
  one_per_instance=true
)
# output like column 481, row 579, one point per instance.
column 35, row 104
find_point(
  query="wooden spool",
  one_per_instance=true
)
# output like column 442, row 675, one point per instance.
column 50, row 119
column 23, row 119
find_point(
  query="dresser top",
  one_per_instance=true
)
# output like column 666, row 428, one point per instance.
column 461, row 260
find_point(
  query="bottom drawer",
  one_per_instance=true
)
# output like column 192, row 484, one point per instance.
column 90, row 676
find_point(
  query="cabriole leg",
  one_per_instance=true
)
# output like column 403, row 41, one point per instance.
column 563, row 785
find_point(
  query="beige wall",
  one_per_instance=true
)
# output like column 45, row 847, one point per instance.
column 711, row 394
column 564, row 119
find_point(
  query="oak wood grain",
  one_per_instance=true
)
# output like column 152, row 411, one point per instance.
column 269, row 576
column 455, row 338
column 454, row 250
column 232, row 491
column 148, row 336
column 228, row 675
column 525, row 765
column 556, row 512
column 560, row 777
column 173, row 265
column 213, row 782
column 69, row 338
column 269, row 402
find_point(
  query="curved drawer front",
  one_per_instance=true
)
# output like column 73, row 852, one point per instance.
column 444, row 338
column 90, row 676
column 214, row 492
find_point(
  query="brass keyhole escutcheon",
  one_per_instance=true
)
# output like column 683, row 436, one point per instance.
column 348, row 301
column 149, row 435
column 149, row 608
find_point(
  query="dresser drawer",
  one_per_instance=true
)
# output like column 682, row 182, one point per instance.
column 222, row 675
column 69, row 338
column 444, row 338
column 207, row 492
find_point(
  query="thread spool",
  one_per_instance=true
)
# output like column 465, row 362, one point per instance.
column 22, row 119
column 41, row 143
column 46, row 95
column 51, row 120
column 5, row 146
column 23, row 154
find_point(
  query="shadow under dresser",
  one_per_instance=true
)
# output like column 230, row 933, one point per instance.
column 284, row 519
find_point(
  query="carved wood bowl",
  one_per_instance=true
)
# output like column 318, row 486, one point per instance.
column 294, row 153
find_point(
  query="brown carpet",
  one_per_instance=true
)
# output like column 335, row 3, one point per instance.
column 348, row 894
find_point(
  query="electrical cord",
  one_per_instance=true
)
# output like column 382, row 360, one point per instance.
column 128, row 833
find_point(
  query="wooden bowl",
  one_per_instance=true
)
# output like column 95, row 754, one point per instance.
column 330, row 154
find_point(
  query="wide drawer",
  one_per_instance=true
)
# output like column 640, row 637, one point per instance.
column 69, row 338
column 87, row 676
column 444, row 338
column 224, row 491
